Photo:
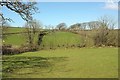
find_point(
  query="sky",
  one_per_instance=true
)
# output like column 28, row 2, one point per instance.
column 53, row 13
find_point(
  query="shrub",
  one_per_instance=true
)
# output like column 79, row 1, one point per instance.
column 106, row 38
column 101, row 37
column 9, row 49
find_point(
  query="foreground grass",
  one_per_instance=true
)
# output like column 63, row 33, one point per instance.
column 63, row 63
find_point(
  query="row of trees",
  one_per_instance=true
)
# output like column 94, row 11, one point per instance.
column 104, row 21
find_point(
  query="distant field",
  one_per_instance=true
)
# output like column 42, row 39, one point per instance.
column 61, row 38
column 51, row 40
column 63, row 63
column 15, row 39
column 15, row 29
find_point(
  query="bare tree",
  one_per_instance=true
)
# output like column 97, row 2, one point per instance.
column 93, row 25
column 24, row 9
column 107, row 22
column 106, row 26
column 4, row 27
column 32, row 27
column 83, row 26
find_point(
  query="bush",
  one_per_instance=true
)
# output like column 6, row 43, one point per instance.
column 112, row 38
column 27, row 47
column 106, row 38
column 101, row 36
column 9, row 49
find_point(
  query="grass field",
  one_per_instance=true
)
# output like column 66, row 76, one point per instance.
column 60, row 62
column 61, row 38
column 14, row 29
column 63, row 63
column 16, row 39
column 50, row 40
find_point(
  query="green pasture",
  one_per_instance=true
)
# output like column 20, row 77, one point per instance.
column 63, row 63
column 15, row 29
column 61, row 39
column 51, row 40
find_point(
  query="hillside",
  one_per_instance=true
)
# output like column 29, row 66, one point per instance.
column 14, row 29
column 61, row 39
column 51, row 40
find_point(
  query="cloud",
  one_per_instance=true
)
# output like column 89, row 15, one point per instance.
column 110, row 4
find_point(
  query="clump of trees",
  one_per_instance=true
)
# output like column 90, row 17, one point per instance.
column 101, row 32
column 32, row 28
column 75, row 27
column 106, row 35
column 61, row 26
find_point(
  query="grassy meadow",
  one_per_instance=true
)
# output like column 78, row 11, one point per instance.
column 60, row 39
column 60, row 62
column 14, row 29
column 63, row 39
column 63, row 63
column 51, row 40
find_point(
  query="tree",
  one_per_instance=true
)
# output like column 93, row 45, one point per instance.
column 83, row 26
column 104, row 30
column 93, row 25
column 32, row 27
column 107, row 22
column 75, row 27
column 24, row 9
column 4, row 27
column 61, row 26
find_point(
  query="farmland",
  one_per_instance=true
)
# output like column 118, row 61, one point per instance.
column 59, row 40
column 58, row 58
column 63, row 63
column 52, row 39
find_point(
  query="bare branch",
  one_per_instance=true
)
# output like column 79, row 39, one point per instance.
column 24, row 9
